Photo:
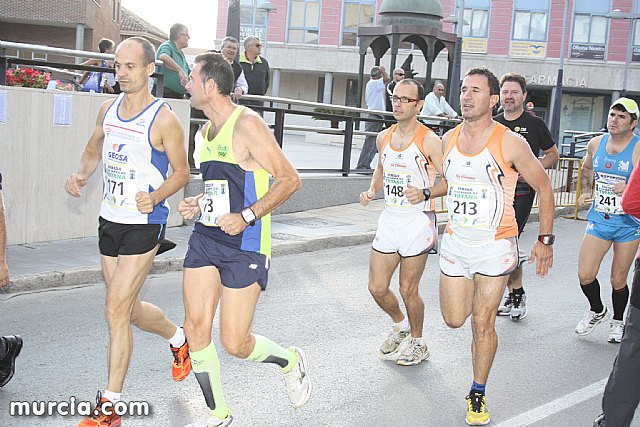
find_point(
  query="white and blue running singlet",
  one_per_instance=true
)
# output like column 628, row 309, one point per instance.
column 130, row 165
column 608, row 170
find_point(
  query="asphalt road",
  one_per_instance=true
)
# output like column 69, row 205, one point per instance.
column 543, row 375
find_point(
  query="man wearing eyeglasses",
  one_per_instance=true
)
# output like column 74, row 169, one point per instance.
column 398, row 74
column 410, row 155
column 256, row 69
column 374, row 97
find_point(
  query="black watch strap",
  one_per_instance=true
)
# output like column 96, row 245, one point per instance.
column 427, row 194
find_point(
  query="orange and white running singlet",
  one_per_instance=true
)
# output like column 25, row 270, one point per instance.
column 481, row 191
column 405, row 228
column 481, row 235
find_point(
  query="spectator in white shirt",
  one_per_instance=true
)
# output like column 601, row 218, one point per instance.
column 374, row 94
column 436, row 105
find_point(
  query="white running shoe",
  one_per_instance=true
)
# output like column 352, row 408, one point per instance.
column 393, row 343
column 616, row 331
column 519, row 308
column 413, row 353
column 591, row 320
column 297, row 380
column 506, row 305
column 213, row 421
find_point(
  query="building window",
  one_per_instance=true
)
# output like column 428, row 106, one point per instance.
column 304, row 22
column 39, row 55
column 530, row 20
column 476, row 18
column 590, row 24
column 355, row 14
column 253, row 21
column 636, row 26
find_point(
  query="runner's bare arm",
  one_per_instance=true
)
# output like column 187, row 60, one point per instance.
column 434, row 147
column 265, row 151
column 523, row 160
column 586, row 172
column 376, row 179
column 91, row 155
column 171, row 136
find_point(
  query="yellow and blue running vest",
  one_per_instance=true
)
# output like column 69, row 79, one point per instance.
column 218, row 163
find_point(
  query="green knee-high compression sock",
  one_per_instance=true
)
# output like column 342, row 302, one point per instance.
column 266, row 351
column 206, row 368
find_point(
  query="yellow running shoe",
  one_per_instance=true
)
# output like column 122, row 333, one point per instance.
column 477, row 414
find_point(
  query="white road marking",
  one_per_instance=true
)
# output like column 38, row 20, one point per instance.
column 560, row 404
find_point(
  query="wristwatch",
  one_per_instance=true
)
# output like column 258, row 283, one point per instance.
column 546, row 239
column 248, row 216
column 427, row 194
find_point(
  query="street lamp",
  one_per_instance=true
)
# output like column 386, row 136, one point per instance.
column 557, row 97
column 267, row 7
column 618, row 14
column 454, row 85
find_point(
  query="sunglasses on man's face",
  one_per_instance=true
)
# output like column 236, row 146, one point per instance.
column 399, row 74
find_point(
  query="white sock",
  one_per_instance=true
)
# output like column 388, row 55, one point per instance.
column 419, row 341
column 111, row 396
column 178, row 338
column 403, row 325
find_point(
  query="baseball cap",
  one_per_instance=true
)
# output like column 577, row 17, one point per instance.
column 375, row 72
column 629, row 105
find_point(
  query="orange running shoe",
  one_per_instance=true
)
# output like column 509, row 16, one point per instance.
column 181, row 362
column 98, row 419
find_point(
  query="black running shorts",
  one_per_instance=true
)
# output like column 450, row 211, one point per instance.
column 128, row 239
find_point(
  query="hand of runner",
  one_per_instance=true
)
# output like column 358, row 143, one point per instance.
column 584, row 199
column 366, row 197
column 619, row 187
column 414, row 194
column 543, row 256
column 145, row 202
column 232, row 223
column 74, row 184
column 189, row 208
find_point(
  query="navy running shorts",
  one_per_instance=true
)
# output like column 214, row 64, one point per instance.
column 238, row 269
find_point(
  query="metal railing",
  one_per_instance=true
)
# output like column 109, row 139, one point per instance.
column 574, row 142
column 62, row 67
column 349, row 124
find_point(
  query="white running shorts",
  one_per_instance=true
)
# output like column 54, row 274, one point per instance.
column 408, row 234
column 497, row 258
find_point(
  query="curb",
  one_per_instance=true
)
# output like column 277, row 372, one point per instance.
column 282, row 246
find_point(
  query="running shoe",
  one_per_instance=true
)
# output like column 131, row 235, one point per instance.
column 519, row 308
column 98, row 418
column 477, row 414
column 392, row 344
column 297, row 380
column 213, row 421
column 505, row 307
column 616, row 331
column 181, row 362
column 8, row 362
column 413, row 353
column 591, row 320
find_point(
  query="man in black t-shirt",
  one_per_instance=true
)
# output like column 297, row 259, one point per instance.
column 513, row 93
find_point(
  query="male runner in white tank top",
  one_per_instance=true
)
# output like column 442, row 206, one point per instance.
column 478, row 250
column 410, row 155
column 137, row 137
